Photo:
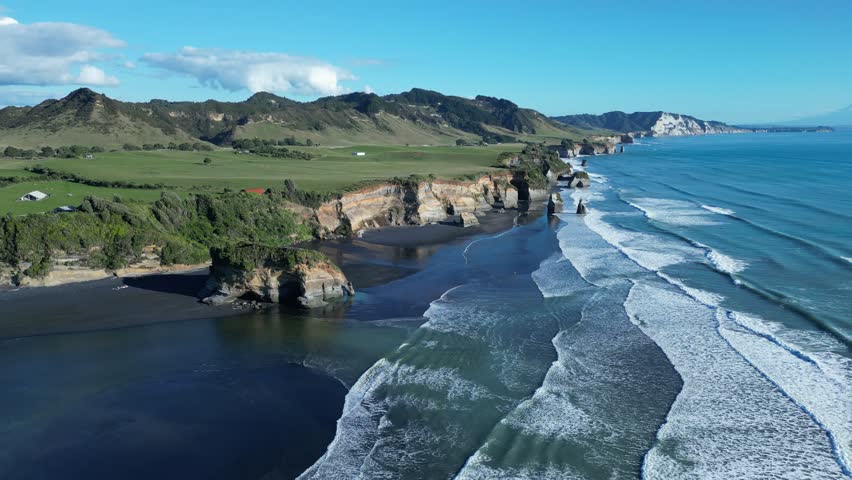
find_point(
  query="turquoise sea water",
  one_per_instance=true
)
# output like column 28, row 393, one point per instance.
column 695, row 324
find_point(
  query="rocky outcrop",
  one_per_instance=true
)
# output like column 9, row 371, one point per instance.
column 581, row 209
column 554, row 203
column 66, row 269
column 579, row 180
column 467, row 219
column 273, row 274
column 672, row 124
column 420, row 202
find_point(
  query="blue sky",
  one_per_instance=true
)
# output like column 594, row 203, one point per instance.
column 736, row 61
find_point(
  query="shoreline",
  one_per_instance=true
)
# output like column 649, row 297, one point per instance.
column 381, row 256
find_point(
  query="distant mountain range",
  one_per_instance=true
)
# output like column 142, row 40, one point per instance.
column 418, row 116
column 837, row 118
column 663, row 124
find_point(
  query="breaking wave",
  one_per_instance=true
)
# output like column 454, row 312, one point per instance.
column 719, row 210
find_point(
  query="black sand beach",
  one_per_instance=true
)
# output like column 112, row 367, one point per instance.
column 164, row 386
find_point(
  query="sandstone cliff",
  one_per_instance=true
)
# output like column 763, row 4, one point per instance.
column 422, row 202
column 67, row 268
column 274, row 274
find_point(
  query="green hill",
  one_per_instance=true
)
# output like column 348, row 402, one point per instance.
column 415, row 117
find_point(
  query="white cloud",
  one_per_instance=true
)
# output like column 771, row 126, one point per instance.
column 129, row 64
column 254, row 71
column 368, row 89
column 90, row 75
column 53, row 54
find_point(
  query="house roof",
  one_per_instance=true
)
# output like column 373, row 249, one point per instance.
column 260, row 191
column 36, row 194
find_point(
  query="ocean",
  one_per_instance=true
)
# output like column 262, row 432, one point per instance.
column 694, row 324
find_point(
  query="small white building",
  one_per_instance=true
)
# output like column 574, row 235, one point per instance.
column 33, row 196
column 88, row 156
column 359, row 154
column 65, row 209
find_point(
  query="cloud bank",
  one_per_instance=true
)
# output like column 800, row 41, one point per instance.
column 53, row 54
column 254, row 71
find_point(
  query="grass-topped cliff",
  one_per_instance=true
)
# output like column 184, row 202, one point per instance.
column 110, row 234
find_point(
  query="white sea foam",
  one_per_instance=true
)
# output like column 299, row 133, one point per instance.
column 719, row 210
column 729, row 421
column 477, row 468
column 673, row 212
column 703, row 296
column 848, row 259
column 649, row 251
column 556, row 277
column 597, row 177
column 722, row 262
column 819, row 381
column 598, row 262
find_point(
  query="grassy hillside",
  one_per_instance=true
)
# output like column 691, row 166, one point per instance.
column 416, row 117
column 83, row 118
column 331, row 170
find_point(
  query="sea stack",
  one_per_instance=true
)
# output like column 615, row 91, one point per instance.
column 554, row 200
column 584, row 163
column 622, row 149
column 273, row 274
column 581, row 209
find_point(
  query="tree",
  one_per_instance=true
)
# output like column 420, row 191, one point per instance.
column 47, row 151
column 309, row 142
column 185, row 146
column 461, row 142
column 130, row 147
column 207, row 161
column 289, row 186
column 12, row 152
column 173, row 146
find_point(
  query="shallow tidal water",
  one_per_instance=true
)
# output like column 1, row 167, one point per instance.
column 695, row 324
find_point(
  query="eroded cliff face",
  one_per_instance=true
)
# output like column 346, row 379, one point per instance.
column 420, row 203
column 670, row 124
column 277, row 275
column 600, row 146
column 66, row 268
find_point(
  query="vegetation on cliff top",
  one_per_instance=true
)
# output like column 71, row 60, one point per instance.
column 532, row 163
column 248, row 256
column 111, row 234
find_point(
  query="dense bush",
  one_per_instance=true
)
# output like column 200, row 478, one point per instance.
column 73, row 177
column 112, row 233
column 249, row 256
column 268, row 148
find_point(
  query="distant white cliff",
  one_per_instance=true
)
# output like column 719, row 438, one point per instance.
column 672, row 124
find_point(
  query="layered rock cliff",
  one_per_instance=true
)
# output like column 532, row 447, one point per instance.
column 274, row 274
column 423, row 202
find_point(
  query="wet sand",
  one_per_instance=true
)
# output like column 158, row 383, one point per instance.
column 380, row 257
column 233, row 394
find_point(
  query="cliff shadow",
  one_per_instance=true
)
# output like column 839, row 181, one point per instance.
column 187, row 284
